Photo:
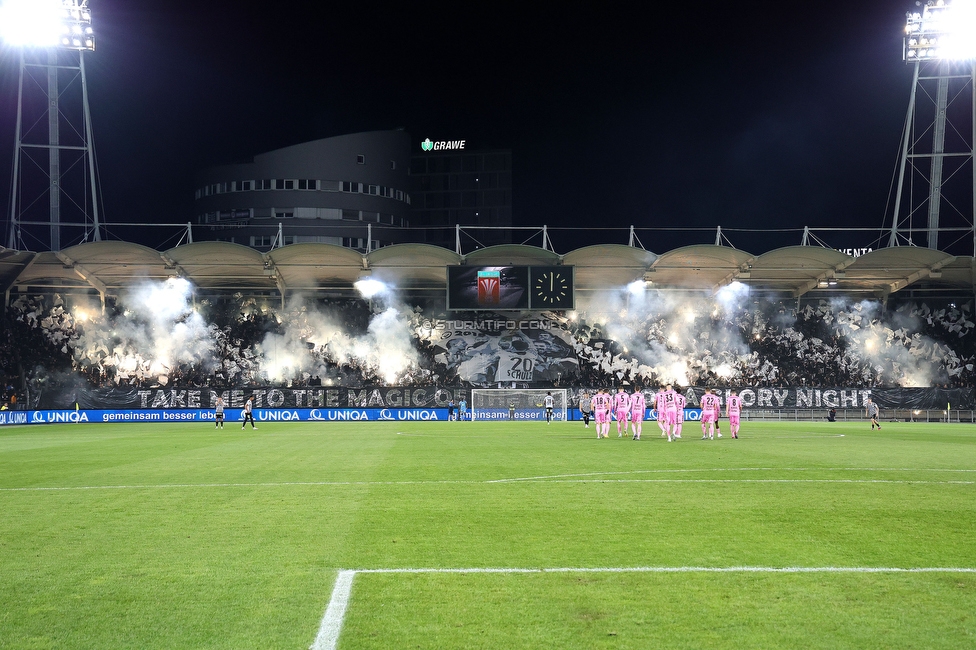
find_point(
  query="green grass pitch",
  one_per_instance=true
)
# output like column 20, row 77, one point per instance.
column 180, row 536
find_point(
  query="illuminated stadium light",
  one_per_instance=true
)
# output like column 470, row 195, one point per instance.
column 47, row 23
column 51, row 38
column 941, row 31
column 940, row 44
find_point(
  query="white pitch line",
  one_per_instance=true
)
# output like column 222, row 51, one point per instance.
column 331, row 624
column 725, row 469
column 681, row 569
column 760, row 480
column 569, row 479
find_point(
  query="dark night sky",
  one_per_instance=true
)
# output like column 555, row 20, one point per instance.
column 744, row 116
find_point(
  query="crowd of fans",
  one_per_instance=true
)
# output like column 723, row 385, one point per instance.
column 225, row 343
column 826, row 344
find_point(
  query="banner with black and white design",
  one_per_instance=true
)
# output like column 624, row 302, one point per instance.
column 493, row 350
column 439, row 397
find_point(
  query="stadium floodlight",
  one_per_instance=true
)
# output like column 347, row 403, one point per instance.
column 940, row 43
column 941, row 31
column 53, row 122
column 47, row 23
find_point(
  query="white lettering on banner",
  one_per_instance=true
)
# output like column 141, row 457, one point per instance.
column 854, row 252
column 179, row 416
column 449, row 144
column 487, row 324
column 388, row 415
column 417, row 415
column 13, row 417
column 274, row 416
column 348, row 415
column 514, row 368
column 59, row 416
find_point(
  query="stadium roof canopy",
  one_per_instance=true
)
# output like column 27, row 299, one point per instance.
column 110, row 267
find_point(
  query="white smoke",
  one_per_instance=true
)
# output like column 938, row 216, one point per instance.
column 313, row 337
column 158, row 330
column 686, row 338
column 669, row 337
column 631, row 333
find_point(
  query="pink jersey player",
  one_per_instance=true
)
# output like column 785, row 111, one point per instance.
column 670, row 412
column 659, row 407
column 601, row 412
column 733, row 409
column 637, row 406
column 680, row 402
column 709, row 408
column 621, row 407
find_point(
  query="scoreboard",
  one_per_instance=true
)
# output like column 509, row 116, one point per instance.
column 510, row 288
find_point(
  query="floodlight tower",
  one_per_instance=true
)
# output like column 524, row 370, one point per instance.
column 54, row 185
column 937, row 150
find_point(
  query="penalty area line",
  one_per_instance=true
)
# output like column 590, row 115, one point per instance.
column 331, row 625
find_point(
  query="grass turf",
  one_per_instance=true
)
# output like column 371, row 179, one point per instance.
column 180, row 536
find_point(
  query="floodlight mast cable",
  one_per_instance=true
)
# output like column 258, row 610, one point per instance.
column 48, row 34
column 940, row 41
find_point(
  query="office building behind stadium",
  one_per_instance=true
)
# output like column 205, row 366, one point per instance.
column 360, row 191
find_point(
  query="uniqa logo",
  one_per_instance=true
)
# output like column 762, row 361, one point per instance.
column 427, row 145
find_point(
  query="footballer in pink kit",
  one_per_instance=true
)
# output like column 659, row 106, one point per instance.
column 709, row 407
column 621, row 408
column 680, row 402
column 637, row 406
column 671, row 412
column 601, row 409
column 662, row 420
column 733, row 408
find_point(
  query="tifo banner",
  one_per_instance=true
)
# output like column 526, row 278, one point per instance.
column 270, row 397
column 494, row 349
column 845, row 397
column 433, row 397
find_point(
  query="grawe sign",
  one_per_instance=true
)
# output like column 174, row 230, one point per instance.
column 442, row 145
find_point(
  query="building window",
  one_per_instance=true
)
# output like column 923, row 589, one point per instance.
column 265, row 184
column 360, row 159
column 306, row 183
column 244, row 186
column 284, row 215
column 392, row 164
column 373, row 189
column 351, row 215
